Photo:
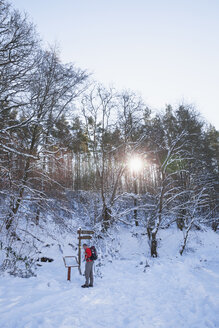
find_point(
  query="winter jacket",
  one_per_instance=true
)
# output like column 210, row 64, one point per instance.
column 88, row 255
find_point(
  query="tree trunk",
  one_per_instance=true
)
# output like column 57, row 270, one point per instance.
column 153, row 245
column 135, row 201
column 106, row 218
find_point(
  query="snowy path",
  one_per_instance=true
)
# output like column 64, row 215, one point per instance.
column 179, row 293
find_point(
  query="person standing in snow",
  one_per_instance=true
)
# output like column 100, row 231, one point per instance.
column 88, row 267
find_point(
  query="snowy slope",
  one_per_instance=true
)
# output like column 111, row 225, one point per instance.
column 174, row 292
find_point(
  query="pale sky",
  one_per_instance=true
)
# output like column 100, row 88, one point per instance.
column 166, row 50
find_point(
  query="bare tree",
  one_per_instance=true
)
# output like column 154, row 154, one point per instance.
column 52, row 90
column 166, row 190
column 18, row 45
column 198, row 200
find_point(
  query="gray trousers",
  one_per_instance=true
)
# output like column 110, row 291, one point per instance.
column 89, row 273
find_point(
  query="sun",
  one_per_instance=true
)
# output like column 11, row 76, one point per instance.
column 135, row 164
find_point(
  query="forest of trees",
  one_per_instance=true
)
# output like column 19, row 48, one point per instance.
column 61, row 131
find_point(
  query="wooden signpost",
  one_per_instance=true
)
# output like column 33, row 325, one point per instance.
column 82, row 234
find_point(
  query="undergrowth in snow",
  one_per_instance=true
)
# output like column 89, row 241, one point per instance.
column 131, row 289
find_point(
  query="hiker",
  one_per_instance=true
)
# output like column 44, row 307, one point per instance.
column 88, row 267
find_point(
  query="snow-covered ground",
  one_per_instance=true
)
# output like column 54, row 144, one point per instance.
column 174, row 292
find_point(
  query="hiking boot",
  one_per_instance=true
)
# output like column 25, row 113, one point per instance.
column 91, row 285
column 84, row 286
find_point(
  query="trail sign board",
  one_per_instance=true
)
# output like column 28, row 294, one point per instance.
column 85, row 237
column 70, row 262
column 85, row 231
